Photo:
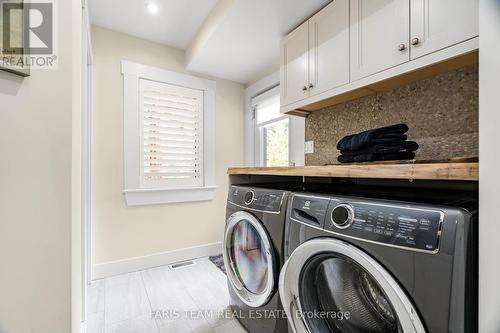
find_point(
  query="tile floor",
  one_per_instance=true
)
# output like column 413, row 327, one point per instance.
column 147, row 301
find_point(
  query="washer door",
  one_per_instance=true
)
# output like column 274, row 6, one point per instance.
column 328, row 285
column 249, row 259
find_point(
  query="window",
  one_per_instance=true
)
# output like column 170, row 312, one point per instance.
column 272, row 132
column 278, row 139
column 168, row 136
column 172, row 135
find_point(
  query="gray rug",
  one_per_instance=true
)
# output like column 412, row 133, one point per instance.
column 218, row 261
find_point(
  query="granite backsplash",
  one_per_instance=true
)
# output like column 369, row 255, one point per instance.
column 442, row 113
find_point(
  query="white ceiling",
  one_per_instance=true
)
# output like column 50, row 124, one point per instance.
column 242, row 46
column 175, row 24
column 246, row 44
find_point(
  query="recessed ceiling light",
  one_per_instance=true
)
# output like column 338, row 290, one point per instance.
column 152, row 7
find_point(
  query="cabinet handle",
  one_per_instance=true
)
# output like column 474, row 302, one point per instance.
column 401, row 47
column 415, row 41
column 304, row 88
column 311, row 85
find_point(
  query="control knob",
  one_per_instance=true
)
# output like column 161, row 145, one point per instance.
column 343, row 216
column 249, row 197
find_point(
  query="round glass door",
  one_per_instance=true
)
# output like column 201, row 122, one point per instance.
column 248, row 253
column 334, row 285
column 328, row 285
column 248, row 256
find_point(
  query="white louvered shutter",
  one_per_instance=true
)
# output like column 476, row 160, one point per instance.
column 172, row 135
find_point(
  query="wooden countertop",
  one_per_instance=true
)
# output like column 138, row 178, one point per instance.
column 468, row 171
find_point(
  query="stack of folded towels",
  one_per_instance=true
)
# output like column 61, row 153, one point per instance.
column 380, row 144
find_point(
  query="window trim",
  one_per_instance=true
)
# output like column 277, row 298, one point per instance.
column 259, row 142
column 257, row 92
column 134, row 194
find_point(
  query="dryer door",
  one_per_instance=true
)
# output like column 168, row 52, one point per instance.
column 328, row 285
column 249, row 259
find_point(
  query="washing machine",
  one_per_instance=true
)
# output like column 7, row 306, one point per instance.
column 253, row 256
column 357, row 264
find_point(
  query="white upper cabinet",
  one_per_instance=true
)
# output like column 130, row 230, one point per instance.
column 437, row 24
column 295, row 65
column 379, row 35
column 350, row 46
column 315, row 56
column 329, row 47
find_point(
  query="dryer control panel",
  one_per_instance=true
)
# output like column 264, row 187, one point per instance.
column 257, row 199
column 387, row 224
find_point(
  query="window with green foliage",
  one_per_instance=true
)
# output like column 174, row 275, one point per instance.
column 275, row 143
column 272, row 133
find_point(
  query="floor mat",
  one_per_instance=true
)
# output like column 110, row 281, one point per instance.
column 218, row 261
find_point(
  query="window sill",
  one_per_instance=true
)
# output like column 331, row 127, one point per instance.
column 140, row 197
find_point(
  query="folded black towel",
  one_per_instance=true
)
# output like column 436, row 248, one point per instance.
column 391, row 137
column 373, row 137
column 406, row 155
column 386, row 148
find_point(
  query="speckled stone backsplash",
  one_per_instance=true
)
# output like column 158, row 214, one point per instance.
column 442, row 113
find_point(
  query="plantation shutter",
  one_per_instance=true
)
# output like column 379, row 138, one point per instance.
column 172, row 135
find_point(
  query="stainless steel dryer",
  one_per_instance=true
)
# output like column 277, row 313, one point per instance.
column 253, row 256
column 368, row 265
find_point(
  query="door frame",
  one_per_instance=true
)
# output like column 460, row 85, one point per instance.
column 87, row 106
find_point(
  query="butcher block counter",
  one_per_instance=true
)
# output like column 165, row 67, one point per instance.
column 447, row 170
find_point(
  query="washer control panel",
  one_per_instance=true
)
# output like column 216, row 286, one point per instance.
column 388, row 224
column 256, row 199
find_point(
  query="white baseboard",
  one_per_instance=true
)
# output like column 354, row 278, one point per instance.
column 135, row 264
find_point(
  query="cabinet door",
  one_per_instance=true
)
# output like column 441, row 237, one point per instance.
column 295, row 65
column 329, row 47
column 379, row 35
column 437, row 24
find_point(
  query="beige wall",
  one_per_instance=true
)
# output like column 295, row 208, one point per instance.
column 35, row 193
column 121, row 232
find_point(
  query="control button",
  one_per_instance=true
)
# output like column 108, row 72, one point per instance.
column 407, row 219
column 249, row 197
column 388, row 233
column 343, row 216
column 425, row 222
